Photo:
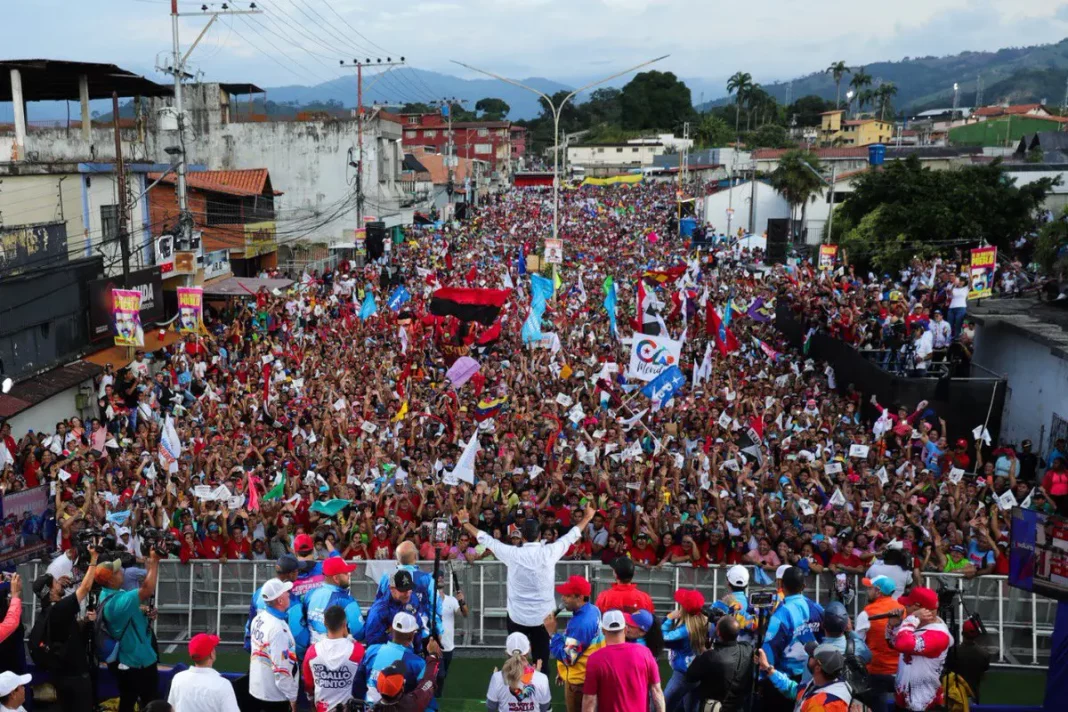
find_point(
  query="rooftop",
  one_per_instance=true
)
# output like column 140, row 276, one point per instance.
column 244, row 183
column 57, row 80
column 834, row 111
column 1003, row 110
column 847, row 152
column 28, row 393
column 1040, row 321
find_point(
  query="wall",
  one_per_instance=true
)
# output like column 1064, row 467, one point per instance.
column 626, row 155
column 1037, row 379
column 769, row 204
column 1002, row 131
column 63, row 144
column 44, row 416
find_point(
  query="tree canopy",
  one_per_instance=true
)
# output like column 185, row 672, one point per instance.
column 492, row 109
column 656, row 100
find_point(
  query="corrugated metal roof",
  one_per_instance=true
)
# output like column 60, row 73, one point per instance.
column 246, row 182
column 28, row 393
column 850, row 152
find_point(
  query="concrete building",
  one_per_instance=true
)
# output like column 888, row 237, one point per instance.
column 605, row 159
column 1026, row 342
column 838, row 131
column 502, row 144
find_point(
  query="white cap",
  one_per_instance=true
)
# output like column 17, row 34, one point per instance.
column 9, row 681
column 738, row 575
column 613, row 621
column 405, row 623
column 275, row 588
column 517, row 643
column 780, row 571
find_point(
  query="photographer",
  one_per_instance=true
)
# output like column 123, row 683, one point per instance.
column 724, row 673
column 124, row 618
column 59, row 640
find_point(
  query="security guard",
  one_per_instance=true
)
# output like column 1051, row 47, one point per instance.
column 334, row 591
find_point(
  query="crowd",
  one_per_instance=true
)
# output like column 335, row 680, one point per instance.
column 348, row 418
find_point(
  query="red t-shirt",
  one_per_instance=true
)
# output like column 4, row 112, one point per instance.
column 381, row 549
column 209, row 548
column 620, row 676
column 238, row 550
column 625, row 597
column 645, row 556
column 851, row 560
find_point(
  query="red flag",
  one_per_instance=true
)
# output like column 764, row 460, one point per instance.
column 490, row 335
column 479, row 382
column 757, row 424
column 726, row 342
column 472, row 275
column 664, row 276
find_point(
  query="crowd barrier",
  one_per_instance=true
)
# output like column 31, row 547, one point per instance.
column 214, row 596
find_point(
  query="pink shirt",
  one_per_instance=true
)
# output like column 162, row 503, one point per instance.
column 620, row 677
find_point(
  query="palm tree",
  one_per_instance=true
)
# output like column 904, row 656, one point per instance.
column 796, row 182
column 739, row 85
column 864, row 98
column 755, row 99
column 859, row 83
column 838, row 70
column 883, row 95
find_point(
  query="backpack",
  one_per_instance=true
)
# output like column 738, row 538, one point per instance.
column 106, row 644
column 44, row 653
column 855, row 673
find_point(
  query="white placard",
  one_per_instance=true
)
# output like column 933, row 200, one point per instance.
column 956, row 474
column 564, row 400
column 881, row 474
column 838, row 499
column 1006, row 500
column 724, row 420
column 339, row 404
column 368, row 427
column 203, row 492
column 858, row 450
column 806, row 507
column 63, row 474
column 833, row 468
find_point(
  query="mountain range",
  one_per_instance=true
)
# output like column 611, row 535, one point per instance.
column 1014, row 74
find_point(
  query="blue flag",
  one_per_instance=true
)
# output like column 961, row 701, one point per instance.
column 369, row 308
column 522, row 263
column 610, row 303
column 726, row 321
column 664, row 387
column 398, row 298
column 541, row 290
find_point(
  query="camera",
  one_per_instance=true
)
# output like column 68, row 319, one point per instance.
column 163, row 542
column 762, row 599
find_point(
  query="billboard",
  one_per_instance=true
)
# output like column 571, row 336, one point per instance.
column 981, row 282
column 148, row 281
column 29, row 247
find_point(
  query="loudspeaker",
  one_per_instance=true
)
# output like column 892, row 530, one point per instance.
column 376, row 239
column 778, row 239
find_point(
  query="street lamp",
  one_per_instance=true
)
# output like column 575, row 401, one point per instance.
column 830, row 187
column 849, row 101
column 556, row 118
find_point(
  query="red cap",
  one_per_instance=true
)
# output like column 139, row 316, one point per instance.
column 962, row 443
column 201, row 645
column 690, row 599
column 574, row 586
column 922, row 597
column 970, row 629
column 303, row 543
column 336, row 565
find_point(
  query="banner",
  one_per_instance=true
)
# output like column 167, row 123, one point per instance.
column 614, row 180
column 554, row 251
column 827, row 256
column 23, row 515
column 148, row 281
column 664, row 387
column 984, row 262
column 126, row 317
column 190, row 309
column 652, row 355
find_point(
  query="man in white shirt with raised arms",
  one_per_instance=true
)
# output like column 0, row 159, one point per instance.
column 531, row 576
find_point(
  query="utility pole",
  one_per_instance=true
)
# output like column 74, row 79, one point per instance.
column 359, row 123
column 177, row 70
column 120, row 185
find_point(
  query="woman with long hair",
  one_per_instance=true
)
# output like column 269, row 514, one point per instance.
column 518, row 681
column 644, row 629
column 685, row 636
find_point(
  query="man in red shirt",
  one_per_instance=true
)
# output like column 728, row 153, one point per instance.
column 621, row 677
column 211, row 546
column 642, row 552
column 624, row 595
column 237, row 546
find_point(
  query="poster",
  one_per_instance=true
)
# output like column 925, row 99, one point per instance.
column 554, row 251
column 126, row 317
column 148, row 281
column 652, row 355
column 827, row 255
column 190, row 309
column 984, row 261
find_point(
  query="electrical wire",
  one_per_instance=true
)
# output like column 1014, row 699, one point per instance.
column 270, row 56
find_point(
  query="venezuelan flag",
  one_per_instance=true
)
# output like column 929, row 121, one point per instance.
column 487, row 409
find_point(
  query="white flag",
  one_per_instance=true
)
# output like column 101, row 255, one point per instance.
column 465, row 466
column 581, row 289
column 170, row 447
column 403, row 334
column 629, row 423
column 838, row 499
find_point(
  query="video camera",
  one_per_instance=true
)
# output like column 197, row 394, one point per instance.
column 165, row 543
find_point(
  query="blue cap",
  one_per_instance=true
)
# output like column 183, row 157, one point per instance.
column 640, row 618
column 883, row 584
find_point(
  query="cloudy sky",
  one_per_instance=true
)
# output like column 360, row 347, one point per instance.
column 300, row 41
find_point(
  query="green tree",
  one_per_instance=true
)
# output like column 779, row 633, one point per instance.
column 837, row 70
column 739, row 85
column 768, row 136
column 417, row 107
column 655, row 100
column 603, row 107
column 807, row 109
column 713, row 131
column 796, row 182
column 1051, row 248
column 883, row 94
column 492, row 109
column 859, row 82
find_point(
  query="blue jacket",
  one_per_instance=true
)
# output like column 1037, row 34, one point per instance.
column 796, row 622
column 297, row 624
column 321, row 598
column 860, row 650
column 422, row 594
column 677, row 641
column 378, row 658
column 737, row 603
column 380, row 620
column 573, row 647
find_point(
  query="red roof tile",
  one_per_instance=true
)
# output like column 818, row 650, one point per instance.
column 247, row 182
column 1004, row 110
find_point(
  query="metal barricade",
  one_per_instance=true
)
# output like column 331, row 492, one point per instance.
column 215, row 596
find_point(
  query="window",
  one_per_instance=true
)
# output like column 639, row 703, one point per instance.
column 109, row 222
column 413, row 120
column 600, row 150
column 633, row 150
column 620, row 150
column 411, row 134
column 482, row 133
column 429, row 133
column 483, row 148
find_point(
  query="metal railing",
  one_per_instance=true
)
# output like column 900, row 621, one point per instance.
column 214, row 596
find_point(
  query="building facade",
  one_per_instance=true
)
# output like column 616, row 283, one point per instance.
column 603, row 159
column 501, row 144
column 835, row 130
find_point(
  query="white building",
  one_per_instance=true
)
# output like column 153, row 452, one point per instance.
column 668, row 141
column 600, row 159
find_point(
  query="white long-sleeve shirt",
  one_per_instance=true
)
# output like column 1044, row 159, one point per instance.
column 272, row 674
column 531, row 574
column 200, row 689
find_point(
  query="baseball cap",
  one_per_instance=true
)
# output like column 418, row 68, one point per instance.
column 613, row 620
column 402, row 580
column 828, row 656
column 690, row 599
column 303, row 543
column 336, row 565
column 970, row 629
column 641, row 619
column 9, row 681
column 959, row 549
column 201, row 645
column 404, row 623
column 390, row 682
column 781, row 570
column 922, row 597
column 286, row 564
column 884, row 584
column 623, row 566
column 105, row 570
column 835, row 618
column 738, row 576
column 517, row 643
column 275, row 588
column 574, row 586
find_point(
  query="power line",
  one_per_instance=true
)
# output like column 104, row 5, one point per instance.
column 271, row 57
